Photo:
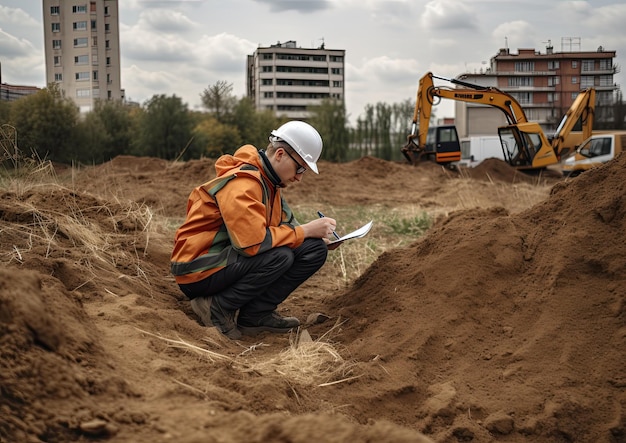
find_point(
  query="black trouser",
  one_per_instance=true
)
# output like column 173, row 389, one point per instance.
column 257, row 285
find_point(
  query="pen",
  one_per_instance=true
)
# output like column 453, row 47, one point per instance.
column 322, row 216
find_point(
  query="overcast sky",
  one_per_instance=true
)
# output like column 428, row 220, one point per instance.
column 180, row 47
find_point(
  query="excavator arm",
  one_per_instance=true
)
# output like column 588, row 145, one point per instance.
column 583, row 108
column 428, row 95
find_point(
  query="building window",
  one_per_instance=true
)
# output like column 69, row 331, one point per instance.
column 95, row 75
column 107, row 44
column 524, row 98
column 336, row 58
column 586, row 81
column 82, row 76
column 336, row 71
column 574, row 64
column 80, row 9
column 574, row 95
column 96, row 92
column 606, row 80
column 574, row 80
column 267, row 82
column 553, row 65
column 268, row 56
column 83, row 93
column 92, row 7
column 337, row 84
column 81, row 60
column 524, row 66
column 109, row 95
column 80, row 26
column 80, row 42
column 520, row 81
column 93, row 25
column 56, row 44
column 58, row 77
column 553, row 81
column 553, row 97
column 56, row 27
column 106, row 10
column 107, row 27
column 108, row 61
column 94, row 41
column 57, row 60
column 605, row 65
column 55, row 10
column 587, row 65
column 268, row 68
column 268, row 94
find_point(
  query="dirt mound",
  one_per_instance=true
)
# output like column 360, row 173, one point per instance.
column 505, row 323
column 514, row 321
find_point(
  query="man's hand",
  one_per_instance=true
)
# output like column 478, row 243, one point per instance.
column 320, row 228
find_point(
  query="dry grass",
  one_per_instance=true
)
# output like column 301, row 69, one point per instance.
column 46, row 219
column 305, row 362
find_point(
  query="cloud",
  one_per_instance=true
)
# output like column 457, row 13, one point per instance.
column 303, row 6
column 448, row 15
column 11, row 46
column 516, row 34
column 164, row 20
column 145, row 42
column 146, row 83
column 17, row 16
column 224, row 52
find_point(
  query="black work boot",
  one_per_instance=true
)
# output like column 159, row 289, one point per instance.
column 202, row 307
column 272, row 322
column 224, row 320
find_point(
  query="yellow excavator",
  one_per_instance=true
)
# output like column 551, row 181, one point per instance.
column 524, row 144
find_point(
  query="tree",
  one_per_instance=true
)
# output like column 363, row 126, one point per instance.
column 117, row 120
column 165, row 127
column 212, row 138
column 45, row 123
column 329, row 118
column 254, row 126
column 219, row 101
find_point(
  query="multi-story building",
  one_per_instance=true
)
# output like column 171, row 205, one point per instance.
column 10, row 93
column 82, row 48
column 288, row 80
column 545, row 84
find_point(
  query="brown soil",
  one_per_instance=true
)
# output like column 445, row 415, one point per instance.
column 506, row 322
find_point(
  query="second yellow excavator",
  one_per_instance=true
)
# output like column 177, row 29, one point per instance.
column 524, row 144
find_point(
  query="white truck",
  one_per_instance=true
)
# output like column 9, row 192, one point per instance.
column 596, row 150
column 475, row 149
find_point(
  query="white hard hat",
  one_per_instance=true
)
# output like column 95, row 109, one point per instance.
column 304, row 139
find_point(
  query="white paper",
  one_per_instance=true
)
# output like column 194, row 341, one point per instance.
column 361, row 232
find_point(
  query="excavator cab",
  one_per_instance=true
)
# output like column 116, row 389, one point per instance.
column 526, row 147
column 442, row 146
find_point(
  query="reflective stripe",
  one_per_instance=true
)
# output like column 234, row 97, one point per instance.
column 205, row 262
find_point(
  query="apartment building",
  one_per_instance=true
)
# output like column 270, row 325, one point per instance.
column 545, row 84
column 10, row 93
column 288, row 79
column 82, row 49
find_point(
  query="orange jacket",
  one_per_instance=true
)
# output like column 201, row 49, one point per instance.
column 240, row 212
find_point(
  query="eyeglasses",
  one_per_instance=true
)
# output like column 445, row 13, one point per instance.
column 300, row 169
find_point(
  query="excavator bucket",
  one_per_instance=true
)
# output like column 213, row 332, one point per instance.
column 411, row 151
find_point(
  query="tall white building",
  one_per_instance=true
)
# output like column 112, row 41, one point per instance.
column 82, row 48
column 287, row 79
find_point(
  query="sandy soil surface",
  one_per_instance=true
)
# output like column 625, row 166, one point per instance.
column 506, row 322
